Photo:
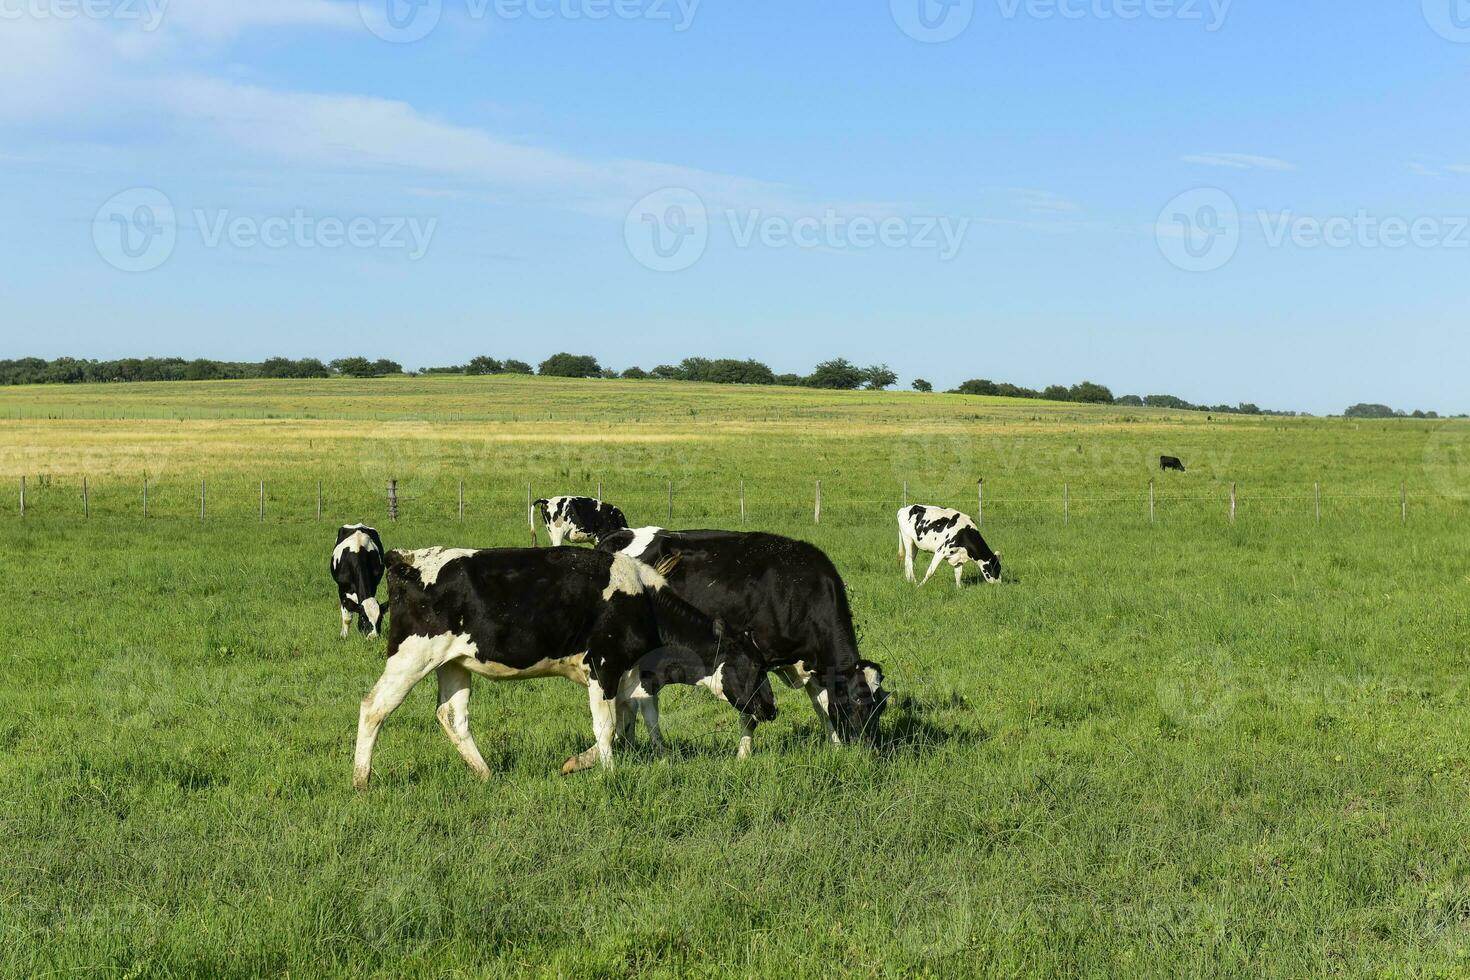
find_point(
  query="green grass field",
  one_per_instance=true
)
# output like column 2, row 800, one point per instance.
column 1186, row 747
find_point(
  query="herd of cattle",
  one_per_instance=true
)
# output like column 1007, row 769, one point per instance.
column 643, row 609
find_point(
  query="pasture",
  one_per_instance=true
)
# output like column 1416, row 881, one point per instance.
column 1185, row 746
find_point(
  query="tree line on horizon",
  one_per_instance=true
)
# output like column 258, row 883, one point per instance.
column 837, row 374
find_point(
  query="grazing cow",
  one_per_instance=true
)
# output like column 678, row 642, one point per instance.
column 1167, row 463
column 787, row 596
column 357, row 568
column 521, row 614
column 579, row 519
column 950, row 536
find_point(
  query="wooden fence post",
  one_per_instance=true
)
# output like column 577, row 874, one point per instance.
column 86, row 500
column 1151, row 502
column 1317, row 490
column 22, row 496
column 818, row 516
column 980, row 514
column 671, row 503
column 461, row 501
column 742, row 503
column 393, row 501
column 531, row 517
column 1066, row 505
column 1232, row 503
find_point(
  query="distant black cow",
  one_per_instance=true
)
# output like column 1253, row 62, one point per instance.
column 357, row 568
column 788, row 596
column 1171, row 463
column 579, row 519
column 520, row 614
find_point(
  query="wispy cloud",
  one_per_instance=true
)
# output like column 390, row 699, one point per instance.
column 1038, row 201
column 1423, row 171
column 1239, row 161
column 1458, row 168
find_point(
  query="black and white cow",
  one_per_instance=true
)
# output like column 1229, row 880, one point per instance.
column 357, row 568
column 951, row 537
column 521, row 614
column 576, row 520
column 1167, row 463
column 789, row 598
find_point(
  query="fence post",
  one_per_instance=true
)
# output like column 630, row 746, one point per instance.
column 86, row 500
column 145, row 496
column 1066, row 505
column 980, row 514
column 742, row 503
column 393, row 501
column 1317, row 490
column 1151, row 502
column 262, row 501
column 1232, row 503
column 818, row 516
column 671, row 503
column 461, row 501
column 202, row 499
column 599, row 494
column 22, row 496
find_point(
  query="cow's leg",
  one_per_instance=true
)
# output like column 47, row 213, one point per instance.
column 454, row 716
column 627, row 723
column 908, row 559
column 821, row 703
column 346, row 621
column 933, row 567
column 604, row 721
column 411, row 663
column 648, row 708
column 747, row 736
column 959, row 572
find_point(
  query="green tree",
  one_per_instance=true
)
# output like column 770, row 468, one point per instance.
column 921, row 385
column 564, row 365
column 836, row 375
column 483, row 365
column 878, row 377
column 353, row 367
column 513, row 366
column 1091, row 393
column 635, row 373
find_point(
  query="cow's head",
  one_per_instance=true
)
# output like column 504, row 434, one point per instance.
column 743, row 680
column 855, row 701
column 972, row 547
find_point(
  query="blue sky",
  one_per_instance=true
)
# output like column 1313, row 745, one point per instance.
column 1243, row 200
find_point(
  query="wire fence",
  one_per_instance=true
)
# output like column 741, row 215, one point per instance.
column 702, row 503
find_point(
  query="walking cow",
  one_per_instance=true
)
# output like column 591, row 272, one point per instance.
column 951, row 536
column 507, row 615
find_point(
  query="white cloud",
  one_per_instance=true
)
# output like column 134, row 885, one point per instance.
column 1458, row 168
column 1239, row 161
column 1423, row 171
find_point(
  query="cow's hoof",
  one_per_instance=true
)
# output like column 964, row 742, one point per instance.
column 579, row 763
